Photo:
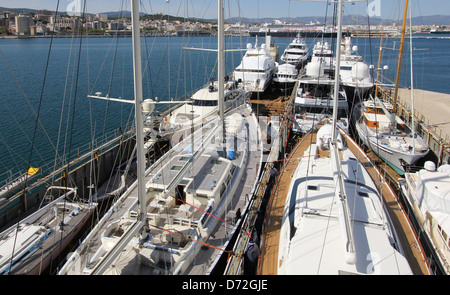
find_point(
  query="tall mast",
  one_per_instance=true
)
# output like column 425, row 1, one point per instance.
column 141, row 219
column 400, row 57
column 340, row 193
column 221, row 63
column 337, row 71
column 413, row 127
column 137, row 74
column 379, row 63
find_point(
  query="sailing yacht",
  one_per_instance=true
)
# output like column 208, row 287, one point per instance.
column 384, row 132
column 314, row 99
column 387, row 135
column 192, row 200
column 334, row 221
column 296, row 53
column 256, row 68
column 426, row 194
column 28, row 247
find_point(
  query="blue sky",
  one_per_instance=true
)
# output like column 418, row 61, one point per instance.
column 390, row 9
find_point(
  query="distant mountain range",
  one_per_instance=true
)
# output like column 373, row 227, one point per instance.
column 438, row 20
column 347, row 20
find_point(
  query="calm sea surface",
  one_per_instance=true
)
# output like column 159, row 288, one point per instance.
column 75, row 69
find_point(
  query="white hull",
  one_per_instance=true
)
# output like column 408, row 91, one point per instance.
column 40, row 238
column 256, row 69
column 315, row 238
column 389, row 155
column 164, row 251
column 396, row 148
column 426, row 195
column 258, row 84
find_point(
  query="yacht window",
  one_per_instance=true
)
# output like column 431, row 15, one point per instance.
column 363, row 194
column 250, row 70
column 222, row 190
column 346, row 68
column 215, row 161
column 296, row 53
column 205, row 103
column 323, row 55
column 313, row 187
column 184, row 182
column 297, row 46
column 444, row 235
column 232, row 170
column 184, row 158
column 176, row 167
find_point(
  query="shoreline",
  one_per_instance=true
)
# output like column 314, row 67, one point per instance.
column 432, row 36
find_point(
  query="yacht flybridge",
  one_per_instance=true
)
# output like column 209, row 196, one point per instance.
column 323, row 54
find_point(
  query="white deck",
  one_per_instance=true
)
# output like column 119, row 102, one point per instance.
column 160, row 175
column 312, row 240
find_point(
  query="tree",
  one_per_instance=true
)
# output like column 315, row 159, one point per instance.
column 3, row 30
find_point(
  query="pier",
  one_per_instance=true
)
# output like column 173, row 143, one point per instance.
column 431, row 118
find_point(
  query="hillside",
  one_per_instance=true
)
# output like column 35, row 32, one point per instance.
column 347, row 20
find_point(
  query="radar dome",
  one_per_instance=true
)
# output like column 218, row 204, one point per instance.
column 429, row 166
column 360, row 71
column 314, row 70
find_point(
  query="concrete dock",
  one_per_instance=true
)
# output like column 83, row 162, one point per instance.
column 433, row 108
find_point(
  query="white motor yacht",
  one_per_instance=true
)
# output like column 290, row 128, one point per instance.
column 314, row 99
column 355, row 73
column 285, row 77
column 256, row 68
column 323, row 53
column 296, row 53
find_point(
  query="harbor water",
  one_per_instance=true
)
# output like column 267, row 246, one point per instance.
column 69, row 121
